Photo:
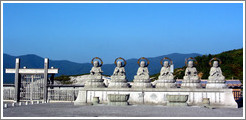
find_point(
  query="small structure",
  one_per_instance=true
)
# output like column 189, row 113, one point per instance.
column 29, row 81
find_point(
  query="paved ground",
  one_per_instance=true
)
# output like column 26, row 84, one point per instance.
column 69, row 110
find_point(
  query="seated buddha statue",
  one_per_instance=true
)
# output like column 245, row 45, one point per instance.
column 165, row 73
column 96, row 69
column 142, row 72
column 119, row 70
column 215, row 72
column 191, row 72
column 118, row 79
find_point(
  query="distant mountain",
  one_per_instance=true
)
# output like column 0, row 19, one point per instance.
column 72, row 68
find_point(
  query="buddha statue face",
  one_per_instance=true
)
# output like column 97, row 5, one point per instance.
column 165, row 64
column 119, row 64
column 96, row 63
column 190, row 64
column 142, row 64
column 215, row 64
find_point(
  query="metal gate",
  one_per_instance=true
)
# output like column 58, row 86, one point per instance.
column 32, row 86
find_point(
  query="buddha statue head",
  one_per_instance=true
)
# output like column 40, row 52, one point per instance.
column 119, row 64
column 142, row 64
column 165, row 64
column 96, row 63
column 215, row 64
column 190, row 64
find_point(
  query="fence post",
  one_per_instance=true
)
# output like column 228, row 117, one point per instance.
column 17, row 80
column 46, row 65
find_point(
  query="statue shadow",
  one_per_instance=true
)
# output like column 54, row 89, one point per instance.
column 240, row 102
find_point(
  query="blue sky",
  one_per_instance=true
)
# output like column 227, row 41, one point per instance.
column 80, row 31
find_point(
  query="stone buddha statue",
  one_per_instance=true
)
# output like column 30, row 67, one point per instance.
column 165, row 79
column 118, row 79
column 96, row 70
column 216, row 79
column 119, row 70
column 191, row 79
column 165, row 72
column 141, row 80
column 215, row 72
column 95, row 77
column 143, row 70
column 191, row 72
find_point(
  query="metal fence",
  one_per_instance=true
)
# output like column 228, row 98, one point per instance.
column 8, row 93
column 31, row 87
column 62, row 95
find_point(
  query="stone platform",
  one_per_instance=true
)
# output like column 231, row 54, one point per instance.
column 222, row 98
column 61, row 110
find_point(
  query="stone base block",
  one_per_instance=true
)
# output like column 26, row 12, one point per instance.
column 118, row 77
column 165, row 81
column 141, row 85
column 216, row 85
column 141, row 80
column 191, row 85
column 141, row 77
column 166, row 78
column 94, row 84
column 222, row 98
column 165, row 85
column 117, row 85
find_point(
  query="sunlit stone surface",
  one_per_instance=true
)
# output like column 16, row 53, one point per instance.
column 191, row 79
column 216, row 79
column 166, row 77
column 141, row 80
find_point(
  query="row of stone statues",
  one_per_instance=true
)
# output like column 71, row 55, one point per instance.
column 165, row 79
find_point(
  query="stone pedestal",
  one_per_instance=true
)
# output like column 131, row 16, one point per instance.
column 216, row 83
column 177, row 100
column 118, row 99
column 191, row 82
column 165, row 82
column 141, row 82
column 218, row 98
column 118, row 82
column 94, row 81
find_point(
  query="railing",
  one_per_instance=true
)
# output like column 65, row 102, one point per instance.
column 8, row 93
column 62, row 93
column 237, row 93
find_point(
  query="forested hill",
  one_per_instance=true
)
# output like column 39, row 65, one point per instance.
column 232, row 65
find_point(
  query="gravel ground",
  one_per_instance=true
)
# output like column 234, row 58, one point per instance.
column 69, row 110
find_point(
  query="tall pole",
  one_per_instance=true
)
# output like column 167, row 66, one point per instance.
column 17, row 80
column 46, row 65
